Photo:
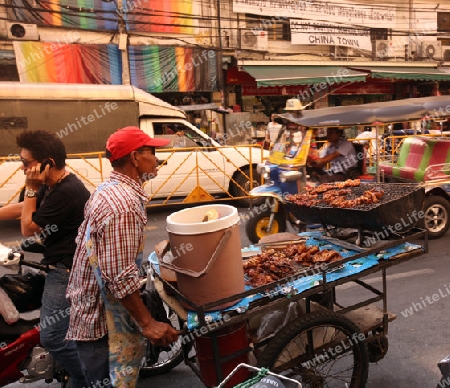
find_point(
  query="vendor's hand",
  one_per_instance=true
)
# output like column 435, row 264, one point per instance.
column 160, row 334
column 34, row 179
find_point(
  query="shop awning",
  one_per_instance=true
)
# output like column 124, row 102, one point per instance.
column 280, row 75
column 408, row 73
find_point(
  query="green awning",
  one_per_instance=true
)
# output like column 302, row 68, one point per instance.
column 281, row 75
column 408, row 73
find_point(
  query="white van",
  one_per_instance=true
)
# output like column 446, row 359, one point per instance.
column 194, row 166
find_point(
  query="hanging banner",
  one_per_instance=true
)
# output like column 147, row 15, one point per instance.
column 363, row 12
column 68, row 63
column 159, row 69
column 311, row 32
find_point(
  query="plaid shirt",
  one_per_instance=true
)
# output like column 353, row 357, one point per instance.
column 117, row 219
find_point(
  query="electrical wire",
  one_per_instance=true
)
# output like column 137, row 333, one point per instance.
column 97, row 14
column 152, row 12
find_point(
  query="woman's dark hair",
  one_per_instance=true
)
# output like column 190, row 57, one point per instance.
column 43, row 145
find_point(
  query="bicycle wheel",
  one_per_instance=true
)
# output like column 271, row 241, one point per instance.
column 159, row 360
column 324, row 349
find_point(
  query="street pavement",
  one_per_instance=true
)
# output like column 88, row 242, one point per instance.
column 416, row 342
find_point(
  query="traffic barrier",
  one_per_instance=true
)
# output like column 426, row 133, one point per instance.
column 196, row 174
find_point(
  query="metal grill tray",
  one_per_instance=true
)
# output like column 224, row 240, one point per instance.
column 401, row 203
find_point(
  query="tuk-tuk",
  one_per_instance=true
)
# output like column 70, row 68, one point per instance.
column 286, row 170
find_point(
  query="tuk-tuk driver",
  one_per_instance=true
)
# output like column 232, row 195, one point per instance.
column 341, row 156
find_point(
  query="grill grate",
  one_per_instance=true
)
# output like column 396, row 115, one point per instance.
column 399, row 202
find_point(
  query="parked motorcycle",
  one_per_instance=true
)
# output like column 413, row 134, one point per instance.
column 272, row 216
column 284, row 173
column 22, row 357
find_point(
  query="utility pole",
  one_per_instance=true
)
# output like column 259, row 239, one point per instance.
column 411, row 34
column 123, row 44
column 219, row 56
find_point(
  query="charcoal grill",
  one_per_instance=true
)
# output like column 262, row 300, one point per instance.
column 398, row 205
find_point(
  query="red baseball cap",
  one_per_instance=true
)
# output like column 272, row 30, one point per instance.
column 129, row 139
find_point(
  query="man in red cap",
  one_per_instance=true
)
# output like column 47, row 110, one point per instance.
column 108, row 319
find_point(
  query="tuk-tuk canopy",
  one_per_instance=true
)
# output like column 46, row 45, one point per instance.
column 436, row 108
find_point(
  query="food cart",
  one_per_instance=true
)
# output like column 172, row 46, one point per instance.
column 296, row 325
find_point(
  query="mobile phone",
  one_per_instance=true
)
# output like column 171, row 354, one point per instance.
column 45, row 163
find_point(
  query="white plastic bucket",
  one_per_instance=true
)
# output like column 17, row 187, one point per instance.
column 207, row 255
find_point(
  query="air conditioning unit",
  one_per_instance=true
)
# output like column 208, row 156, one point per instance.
column 254, row 40
column 411, row 49
column 431, row 49
column 446, row 53
column 383, row 49
column 21, row 31
column 342, row 52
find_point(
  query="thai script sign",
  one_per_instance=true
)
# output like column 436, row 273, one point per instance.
column 362, row 13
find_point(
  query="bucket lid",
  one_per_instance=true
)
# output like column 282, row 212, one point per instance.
column 269, row 381
column 189, row 221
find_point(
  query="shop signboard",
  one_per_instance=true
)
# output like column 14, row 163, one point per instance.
column 332, row 34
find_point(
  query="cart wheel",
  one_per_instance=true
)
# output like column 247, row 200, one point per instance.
column 159, row 360
column 324, row 349
column 256, row 226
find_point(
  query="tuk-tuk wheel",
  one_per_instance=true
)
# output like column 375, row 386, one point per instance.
column 436, row 218
column 256, row 226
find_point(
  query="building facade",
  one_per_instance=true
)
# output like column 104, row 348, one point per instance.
column 248, row 54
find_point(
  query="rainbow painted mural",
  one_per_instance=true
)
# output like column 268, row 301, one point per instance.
column 172, row 16
column 85, row 14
